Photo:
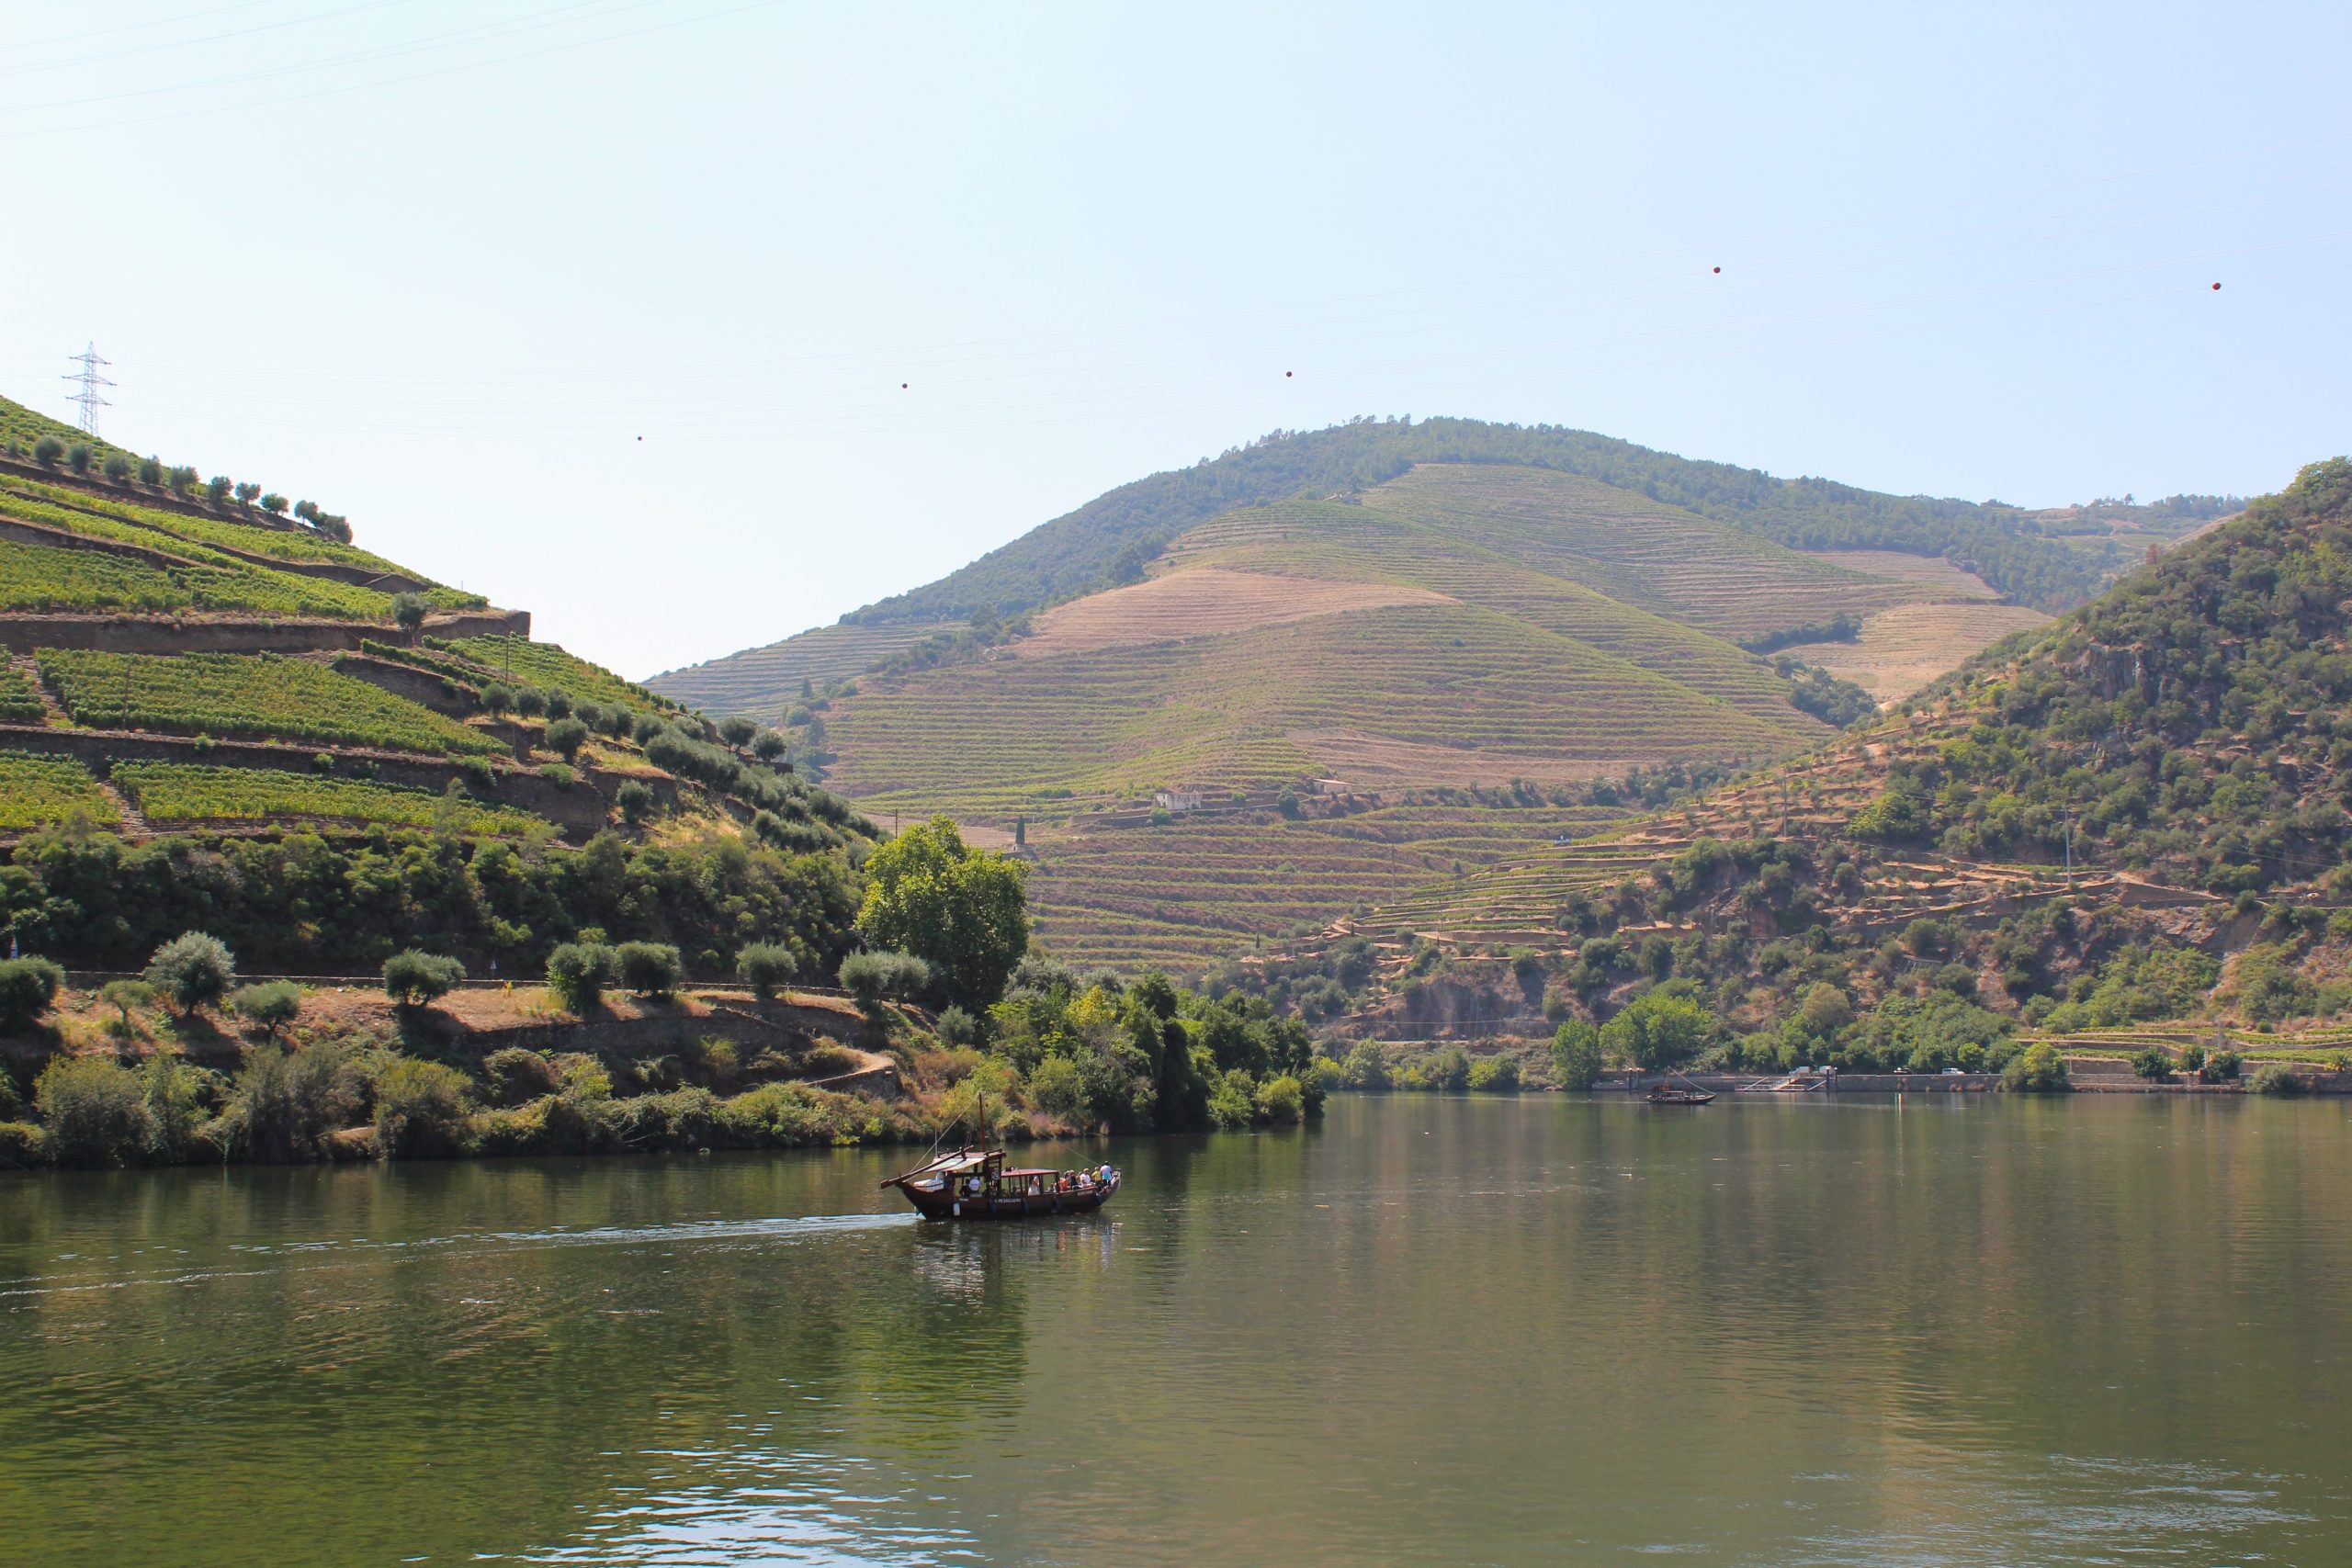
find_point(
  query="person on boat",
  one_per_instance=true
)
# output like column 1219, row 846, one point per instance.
column 1104, row 1176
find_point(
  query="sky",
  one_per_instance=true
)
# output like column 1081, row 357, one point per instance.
column 689, row 324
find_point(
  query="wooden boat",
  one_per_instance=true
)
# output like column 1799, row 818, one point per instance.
column 1673, row 1094
column 976, row 1184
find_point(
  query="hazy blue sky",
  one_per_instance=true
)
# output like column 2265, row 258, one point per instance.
column 441, row 264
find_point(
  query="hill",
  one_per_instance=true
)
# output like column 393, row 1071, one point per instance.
column 1294, row 705
column 215, row 713
column 2045, row 560
column 2135, row 815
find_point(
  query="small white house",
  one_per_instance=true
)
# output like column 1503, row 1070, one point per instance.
column 1180, row 801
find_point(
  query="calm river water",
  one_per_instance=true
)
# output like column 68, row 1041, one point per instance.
column 1989, row 1330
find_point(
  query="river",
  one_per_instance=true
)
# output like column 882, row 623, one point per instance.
column 1963, row 1331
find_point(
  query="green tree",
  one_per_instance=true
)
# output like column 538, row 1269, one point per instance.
column 962, row 911
column 413, row 977
column 273, row 1004
column 578, row 973
column 1576, row 1054
column 651, row 969
column 408, row 610
column 636, row 800
column 77, row 457
column 875, row 978
column 123, row 996
column 193, row 969
column 47, row 450
column 566, row 736
column 766, row 967
column 737, row 730
column 116, row 468
column 1658, row 1028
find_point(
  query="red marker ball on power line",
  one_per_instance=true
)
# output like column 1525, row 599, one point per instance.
column 2216, row 286
column 1718, row 269
column 903, row 386
column 1285, row 375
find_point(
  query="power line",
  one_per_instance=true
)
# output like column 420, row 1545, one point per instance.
column 86, row 382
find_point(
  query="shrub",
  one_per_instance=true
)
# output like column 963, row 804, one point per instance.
column 1231, row 1102
column 516, row 1075
column 578, row 972
column 766, row 967
column 116, row 468
column 47, row 450
column 497, row 699
column 2275, row 1078
column 178, row 1097
column 1282, row 1101
column 1366, row 1067
column 873, row 977
column 958, row 1027
column 27, row 988
column 413, row 977
column 77, row 457
column 272, row 1004
column 649, row 968
column 636, row 800
column 285, row 1104
column 180, row 477
column 149, row 471
column 2221, row 1066
column 2154, row 1064
column 1058, row 1089
column 193, row 969
column 2037, row 1069
column 22, row 1146
column 423, row 1108
column 95, row 1112
column 566, row 736
column 1494, row 1075
column 559, row 703
column 530, row 702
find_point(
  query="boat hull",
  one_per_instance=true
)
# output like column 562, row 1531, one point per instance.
column 1027, row 1206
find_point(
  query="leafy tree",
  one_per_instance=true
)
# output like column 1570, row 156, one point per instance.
column 47, row 450
column 77, row 457
column 408, row 611
column 272, row 1004
column 413, row 977
column 565, row 736
column 125, row 995
column 636, row 800
column 181, row 478
column 1658, row 1028
column 875, row 978
column 497, row 699
column 578, row 973
column 248, row 493
column 559, row 703
column 423, row 1108
column 2154, row 1064
column 530, row 702
column 1576, row 1054
column 766, row 967
column 2037, row 1069
column 273, row 504
column 217, row 487
column 651, row 969
column 27, row 985
column 151, row 473
column 116, row 468
column 767, row 745
column 193, row 969
column 960, row 909
column 737, row 730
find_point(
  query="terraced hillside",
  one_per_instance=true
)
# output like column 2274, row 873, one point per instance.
column 176, row 658
column 763, row 682
column 2137, row 813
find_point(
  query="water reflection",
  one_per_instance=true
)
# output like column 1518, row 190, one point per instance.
column 1432, row 1331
